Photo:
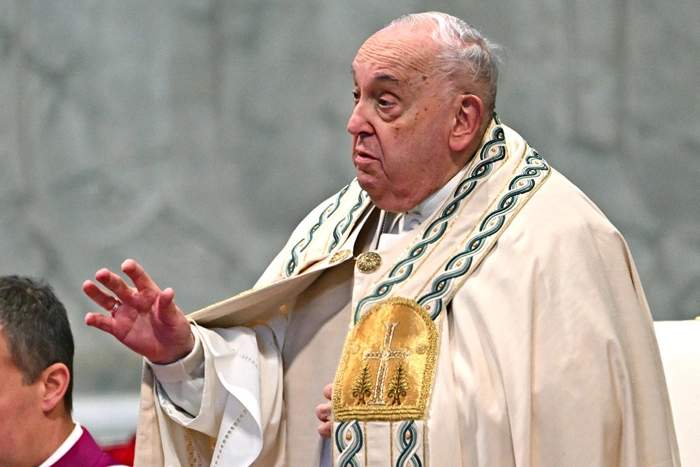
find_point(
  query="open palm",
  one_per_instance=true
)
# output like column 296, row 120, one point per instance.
column 144, row 318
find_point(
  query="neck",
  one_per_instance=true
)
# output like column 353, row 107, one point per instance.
column 50, row 437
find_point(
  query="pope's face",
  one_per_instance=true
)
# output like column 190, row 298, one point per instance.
column 20, row 409
column 402, row 120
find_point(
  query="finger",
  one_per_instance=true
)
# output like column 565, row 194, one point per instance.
column 167, row 311
column 323, row 412
column 166, row 298
column 324, row 429
column 101, row 322
column 328, row 391
column 115, row 283
column 99, row 296
column 138, row 275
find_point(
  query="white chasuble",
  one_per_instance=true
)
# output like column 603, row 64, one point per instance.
column 508, row 329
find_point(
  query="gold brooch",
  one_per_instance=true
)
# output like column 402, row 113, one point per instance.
column 339, row 256
column 368, row 262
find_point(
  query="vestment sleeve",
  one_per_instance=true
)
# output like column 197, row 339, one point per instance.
column 227, row 403
column 183, row 380
column 241, row 397
column 598, row 389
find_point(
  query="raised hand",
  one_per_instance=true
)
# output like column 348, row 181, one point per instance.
column 143, row 318
column 323, row 413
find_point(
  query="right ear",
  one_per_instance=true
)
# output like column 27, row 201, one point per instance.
column 467, row 122
column 54, row 381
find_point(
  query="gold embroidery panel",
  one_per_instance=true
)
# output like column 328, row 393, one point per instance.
column 339, row 256
column 388, row 364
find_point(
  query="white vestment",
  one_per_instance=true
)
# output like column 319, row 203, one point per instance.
column 545, row 355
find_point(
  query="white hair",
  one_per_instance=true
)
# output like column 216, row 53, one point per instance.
column 465, row 55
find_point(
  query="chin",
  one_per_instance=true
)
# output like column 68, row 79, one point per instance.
column 368, row 183
column 375, row 195
column 378, row 193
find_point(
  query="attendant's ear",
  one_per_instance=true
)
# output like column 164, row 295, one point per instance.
column 54, row 380
column 469, row 114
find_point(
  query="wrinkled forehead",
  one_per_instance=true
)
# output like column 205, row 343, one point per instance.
column 403, row 53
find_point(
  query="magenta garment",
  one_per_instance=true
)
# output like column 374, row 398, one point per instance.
column 86, row 453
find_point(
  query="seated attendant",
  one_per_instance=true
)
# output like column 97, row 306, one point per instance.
column 36, row 364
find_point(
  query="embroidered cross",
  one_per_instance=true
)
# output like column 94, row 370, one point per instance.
column 384, row 355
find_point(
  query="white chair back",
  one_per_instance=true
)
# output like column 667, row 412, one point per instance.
column 679, row 343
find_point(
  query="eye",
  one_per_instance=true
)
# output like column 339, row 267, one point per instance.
column 356, row 96
column 386, row 101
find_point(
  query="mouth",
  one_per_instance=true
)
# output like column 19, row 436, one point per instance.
column 362, row 157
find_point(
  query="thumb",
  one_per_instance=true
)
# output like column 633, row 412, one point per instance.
column 328, row 391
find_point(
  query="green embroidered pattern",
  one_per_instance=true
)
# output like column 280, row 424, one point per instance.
column 362, row 388
column 533, row 172
column 398, row 386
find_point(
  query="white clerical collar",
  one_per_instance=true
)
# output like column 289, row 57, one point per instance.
column 65, row 447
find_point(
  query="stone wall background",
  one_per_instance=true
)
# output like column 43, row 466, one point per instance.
column 194, row 135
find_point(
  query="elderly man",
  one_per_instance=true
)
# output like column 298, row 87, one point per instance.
column 36, row 384
column 470, row 304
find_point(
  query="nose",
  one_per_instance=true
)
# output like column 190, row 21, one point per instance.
column 359, row 123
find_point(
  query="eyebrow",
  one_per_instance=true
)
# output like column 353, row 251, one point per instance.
column 382, row 78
